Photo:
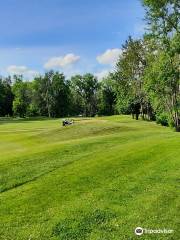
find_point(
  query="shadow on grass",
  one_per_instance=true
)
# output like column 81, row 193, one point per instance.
column 5, row 120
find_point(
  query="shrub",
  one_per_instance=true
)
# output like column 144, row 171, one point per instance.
column 163, row 119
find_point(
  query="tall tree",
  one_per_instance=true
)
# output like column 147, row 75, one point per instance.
column 76, row 95
column 131, row 96
column 6, row 97
column 51, row 94
column 60, row 96
column 47, row 91
column 106, row 96
column 22, row 96
column 163, row 18
column 90, row 87
column 86, row 86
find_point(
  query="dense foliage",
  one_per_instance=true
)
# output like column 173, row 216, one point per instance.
column 51, row 95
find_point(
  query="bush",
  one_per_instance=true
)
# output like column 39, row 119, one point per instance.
column 32, row 111
column 163, row 119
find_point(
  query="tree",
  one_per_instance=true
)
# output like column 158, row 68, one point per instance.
column 86, row 86
column 46, row 85
column 163, row 73
column 76, row 95
column 38, row 99
column 163, row 19
column 51, row 94
column 106, row 96
column 131, row 97
column 6, row 97
column 90, row 87
column 163, row 85
column 60, row 96
column 22, row 96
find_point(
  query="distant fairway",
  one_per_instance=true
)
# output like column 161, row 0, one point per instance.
column 98, row 179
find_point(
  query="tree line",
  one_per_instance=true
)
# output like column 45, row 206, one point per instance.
column 145, row 81
column 53, row 95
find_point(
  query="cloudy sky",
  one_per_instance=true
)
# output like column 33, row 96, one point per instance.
column 66, row 35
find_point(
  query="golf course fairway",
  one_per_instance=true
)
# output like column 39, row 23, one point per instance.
column 97, row 179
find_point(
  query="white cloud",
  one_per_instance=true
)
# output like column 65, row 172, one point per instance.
column 21, row 70
column 102, row 74
column 62, row 61
column 110, row 56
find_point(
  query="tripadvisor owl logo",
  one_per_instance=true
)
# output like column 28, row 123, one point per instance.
column 138, row 231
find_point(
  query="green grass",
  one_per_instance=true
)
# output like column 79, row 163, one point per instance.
column 95, row 180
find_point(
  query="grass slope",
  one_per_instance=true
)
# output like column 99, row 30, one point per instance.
column 96, row 180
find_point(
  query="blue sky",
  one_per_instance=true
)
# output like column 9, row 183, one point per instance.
column 66, row 35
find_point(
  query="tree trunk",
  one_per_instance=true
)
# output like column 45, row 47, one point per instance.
column 177, row 124
column 177, row 128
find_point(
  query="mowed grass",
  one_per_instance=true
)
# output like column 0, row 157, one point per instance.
column 98, row 179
